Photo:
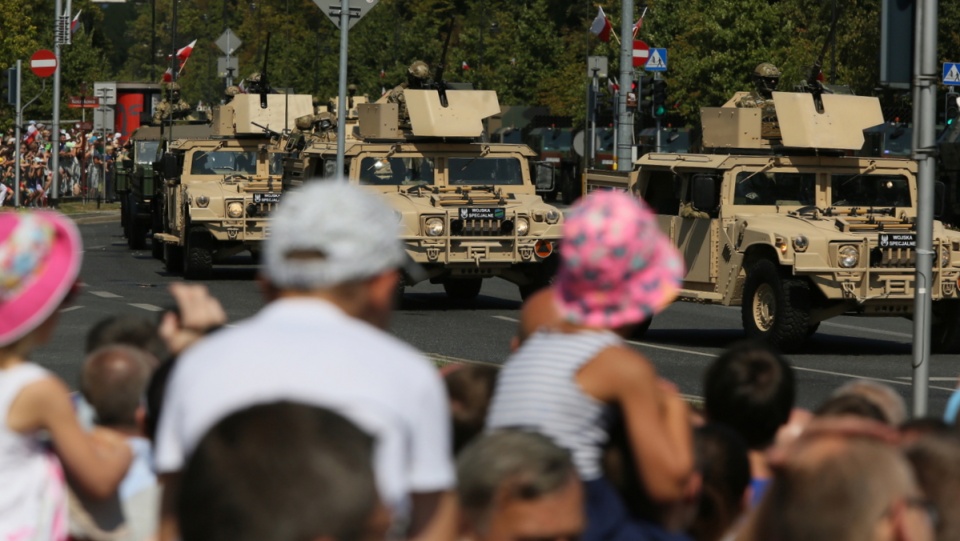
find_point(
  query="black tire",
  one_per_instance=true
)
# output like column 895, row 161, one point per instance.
column 462, row 289
column 125, row 216
column 543, row 275
column 173, row 258
column 198, row 263
column 775, row 307
column 156, row 246
column 136, row 233
column 812, row 329
column 156, row 249
column 945, row 331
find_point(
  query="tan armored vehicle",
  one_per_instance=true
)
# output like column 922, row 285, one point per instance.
column 218, row 191
column 469, row 209
column 797, row 232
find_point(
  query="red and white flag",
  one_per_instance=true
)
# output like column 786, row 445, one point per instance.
column 601, row 26
column 184, row 53
column 638, row 24
column 383, row 74
column 75, row 23
column 464, row 66
column 168, row 75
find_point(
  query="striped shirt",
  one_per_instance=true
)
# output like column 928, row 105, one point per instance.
column 536, row 390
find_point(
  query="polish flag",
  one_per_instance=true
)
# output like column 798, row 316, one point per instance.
column 168, row 75
column 464, row 66
column 601, row 26
column 184, row 53
column 75, row 23
column 639, row 23
column 383, row 74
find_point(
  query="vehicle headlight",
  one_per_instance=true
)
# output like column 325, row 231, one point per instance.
column 944, row 256
column 553, row 216
column 433, row 226
column 849, row 256
column 203, row 201
column 801, row 243
column 234, row 209
column 523, row 226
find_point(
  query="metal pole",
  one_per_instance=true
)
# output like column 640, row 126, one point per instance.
column 342, row 94
column 595, row 89
column 16, row 135
column 55, row 132
column 926, row 77
column 659, row 124
column 625, row 124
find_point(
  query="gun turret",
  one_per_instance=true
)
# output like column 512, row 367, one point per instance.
column 813, row 85
column 264, row 82
column 438, row 78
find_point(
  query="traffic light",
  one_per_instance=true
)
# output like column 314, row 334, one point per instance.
column 952, row 108
column 659, row 98
column 10, row 86
column 646, row 93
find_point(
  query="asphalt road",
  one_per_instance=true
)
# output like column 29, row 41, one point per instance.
column 681, row 342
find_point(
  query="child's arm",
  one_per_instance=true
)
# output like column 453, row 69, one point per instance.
column 96, row 461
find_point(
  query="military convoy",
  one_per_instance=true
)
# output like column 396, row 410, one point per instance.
column 468, row 210
column 215, row 193
column 796, row 230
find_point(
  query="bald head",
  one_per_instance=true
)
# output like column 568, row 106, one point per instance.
column 112, row 380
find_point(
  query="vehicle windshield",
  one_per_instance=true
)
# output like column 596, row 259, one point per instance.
column 224, row 162
column 484, row 171
column 556, row 139
column 605, row 140
column 276, row 164
column 870, row 191
column 147, row 151
column 396, row 171
column 772, row 188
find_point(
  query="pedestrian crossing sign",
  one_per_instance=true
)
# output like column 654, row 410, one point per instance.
column 658, row 60
column 951, row 73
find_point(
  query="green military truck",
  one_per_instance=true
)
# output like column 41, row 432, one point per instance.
column 135, row 184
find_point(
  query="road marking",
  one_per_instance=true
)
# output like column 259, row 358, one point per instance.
column 96, row 247
column 147, row 307
column 795, row 367
column 106, row 294
column 69, row 309
column 937, row 378
column 865, row 329
column 506, row 318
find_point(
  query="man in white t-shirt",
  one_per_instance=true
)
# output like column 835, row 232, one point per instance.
column 332, row 265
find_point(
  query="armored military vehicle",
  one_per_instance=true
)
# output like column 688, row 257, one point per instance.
column 217, row 192
column 468, row 209
column 793, row 229
column 552, row 139
column 135, row 179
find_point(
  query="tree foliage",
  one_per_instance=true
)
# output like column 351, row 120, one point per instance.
column 531, row 52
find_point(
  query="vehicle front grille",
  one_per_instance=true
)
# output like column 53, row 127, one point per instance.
column 892, row 257
column 480, row 228
column 255, row 210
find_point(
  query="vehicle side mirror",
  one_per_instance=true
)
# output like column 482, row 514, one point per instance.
column 940, row 199
column 546, row 176
column 703, row 192
column 169, row 166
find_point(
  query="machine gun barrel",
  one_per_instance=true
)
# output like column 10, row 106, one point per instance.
column 438, row 78
column 264, row 82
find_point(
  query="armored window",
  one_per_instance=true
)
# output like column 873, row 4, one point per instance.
column 870, row 191
column 276, row 164
column 661, row 193
column 224, row 162
column 484, row 171
column 775, row 188
column 147, row 151
column 396, row 171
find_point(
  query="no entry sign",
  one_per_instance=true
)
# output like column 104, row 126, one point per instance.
column 641, row 52
column 43, row 63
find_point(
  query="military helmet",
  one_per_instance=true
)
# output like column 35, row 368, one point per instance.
column 419, row 69
column 766, row 69
column 173, row 86
column 254, row 77
column 232, row 90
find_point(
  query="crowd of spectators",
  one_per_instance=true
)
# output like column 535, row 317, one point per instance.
column 86, row 164
column 325, row 426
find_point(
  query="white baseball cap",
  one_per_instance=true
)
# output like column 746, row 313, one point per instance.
column 344, row 232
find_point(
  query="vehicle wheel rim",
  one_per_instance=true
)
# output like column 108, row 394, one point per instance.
column 764, row 307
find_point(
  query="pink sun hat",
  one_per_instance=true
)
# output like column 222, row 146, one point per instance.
column 40, row 255
column 617, row 267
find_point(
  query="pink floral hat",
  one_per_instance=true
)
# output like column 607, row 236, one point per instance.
column 40, row 254
column 617, row 267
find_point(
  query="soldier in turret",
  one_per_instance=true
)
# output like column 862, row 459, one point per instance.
column 418, row 76
column 172, row 106
column 255, row 84
column 229, row 93
column 766, row 76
